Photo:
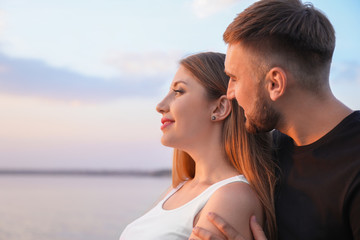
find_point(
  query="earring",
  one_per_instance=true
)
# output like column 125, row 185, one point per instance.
column 213, row 118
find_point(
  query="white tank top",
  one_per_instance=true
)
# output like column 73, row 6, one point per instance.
column 176, row 223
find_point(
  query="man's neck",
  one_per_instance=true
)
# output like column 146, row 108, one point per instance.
column 312, row 118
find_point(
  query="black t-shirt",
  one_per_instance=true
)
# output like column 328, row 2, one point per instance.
column 318, row 194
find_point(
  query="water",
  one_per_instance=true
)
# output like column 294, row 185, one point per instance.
column 69, row 208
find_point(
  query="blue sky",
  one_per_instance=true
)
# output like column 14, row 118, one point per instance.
column 79, row 80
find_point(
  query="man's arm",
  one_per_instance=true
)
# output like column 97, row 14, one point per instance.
column 229, row 233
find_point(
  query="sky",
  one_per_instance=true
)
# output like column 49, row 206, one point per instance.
column 80, row 79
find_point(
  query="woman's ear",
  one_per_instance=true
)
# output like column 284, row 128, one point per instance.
column 222, row 109
column 276, row 82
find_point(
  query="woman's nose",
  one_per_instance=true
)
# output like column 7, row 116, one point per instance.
column 162, row 106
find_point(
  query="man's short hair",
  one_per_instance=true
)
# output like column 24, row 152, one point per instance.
column 298, row 34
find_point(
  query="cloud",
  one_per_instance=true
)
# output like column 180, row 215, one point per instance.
column 206, row 8
column 2, row 21
column 29, row 77
column 345, row 72
column 345, row 82
column 3, row 68
column 145, row 63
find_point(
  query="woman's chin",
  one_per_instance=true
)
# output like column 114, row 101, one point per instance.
column 167, row 142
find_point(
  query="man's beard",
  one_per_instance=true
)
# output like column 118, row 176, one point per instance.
column 263, row 118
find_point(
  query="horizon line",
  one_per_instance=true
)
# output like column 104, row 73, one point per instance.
column 87, row 172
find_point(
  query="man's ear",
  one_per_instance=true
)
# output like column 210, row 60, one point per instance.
column 276, row 82
column 222, row 108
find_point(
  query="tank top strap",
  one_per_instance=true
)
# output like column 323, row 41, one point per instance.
column 199, row 202
column 210, row 190
column 171, row 192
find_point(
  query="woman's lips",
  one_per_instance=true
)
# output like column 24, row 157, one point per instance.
column 166, row 122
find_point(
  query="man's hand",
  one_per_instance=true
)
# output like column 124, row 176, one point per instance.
column 229, row 233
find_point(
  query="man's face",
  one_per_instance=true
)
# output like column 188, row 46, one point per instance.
column 247, row 85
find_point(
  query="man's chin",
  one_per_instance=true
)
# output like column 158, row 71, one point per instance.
column 254, row 129
column 251, row 128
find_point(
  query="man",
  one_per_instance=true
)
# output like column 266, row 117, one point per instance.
column 278, row 58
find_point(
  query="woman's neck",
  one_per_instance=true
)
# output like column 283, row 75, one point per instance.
column 212, row 165
column 211, row 162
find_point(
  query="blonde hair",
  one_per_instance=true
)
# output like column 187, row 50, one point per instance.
column 249, row 154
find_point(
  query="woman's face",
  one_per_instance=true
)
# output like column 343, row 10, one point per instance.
column 186, row 112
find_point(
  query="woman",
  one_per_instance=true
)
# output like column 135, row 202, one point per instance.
column 217, row 166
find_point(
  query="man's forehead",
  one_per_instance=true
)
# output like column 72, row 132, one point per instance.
column 235, row 55
column 229, row 60
column 234, row 49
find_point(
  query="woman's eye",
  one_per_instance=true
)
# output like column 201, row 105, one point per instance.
column 178, row 91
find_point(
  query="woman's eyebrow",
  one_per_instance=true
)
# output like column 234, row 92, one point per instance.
column 180, row 81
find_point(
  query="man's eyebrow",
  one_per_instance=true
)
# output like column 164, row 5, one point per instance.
column 229, row 74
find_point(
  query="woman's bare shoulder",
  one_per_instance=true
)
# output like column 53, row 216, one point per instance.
column 235, row 202
column 237, row 195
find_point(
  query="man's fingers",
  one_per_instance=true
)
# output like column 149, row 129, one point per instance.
column 229, row 232
column 224, row 227
column 256, row 229
column 205, row 234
